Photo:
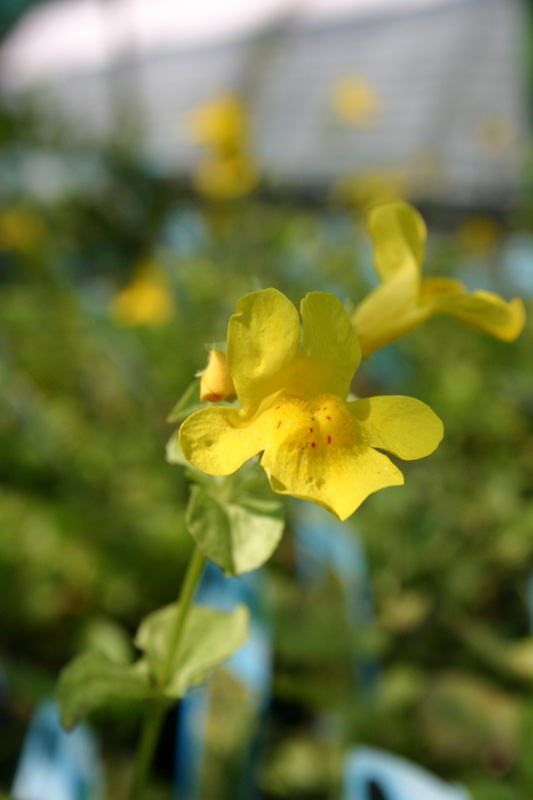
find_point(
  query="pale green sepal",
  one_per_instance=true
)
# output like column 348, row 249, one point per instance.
column 188, row 403
column 220, row 346
column 92, row 681
column 239, row 528
column 210, row 637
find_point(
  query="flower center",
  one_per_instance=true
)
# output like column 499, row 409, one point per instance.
column 317, row 425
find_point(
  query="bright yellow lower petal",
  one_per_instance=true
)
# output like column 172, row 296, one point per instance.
column 402, row 426
column 330, row 345
column 482, row 310
column 339, row 482
column 314, row 453
column 399, row 236
column 215, row 441
column 390, row 311
column 263, row 347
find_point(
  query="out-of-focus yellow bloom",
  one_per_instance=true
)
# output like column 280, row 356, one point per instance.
column 366, row 190
column 355, row 101
column 221, row 123
column 496, row 134
column 479, row 235
column 216, row 383
column 404, row 300
column 146, row 301
column 292, row 387
column 226, row 177
column 227, row 170
column 21, row 230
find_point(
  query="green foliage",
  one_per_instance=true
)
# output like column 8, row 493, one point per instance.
column 240, row 526
column 93, row 681
column 188, row 403
column 93, row 518
column 209, row 638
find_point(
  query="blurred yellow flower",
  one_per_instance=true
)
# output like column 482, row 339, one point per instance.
column 221, row 123
column 224, row 178
column 216, row 383
column 292, row 387
column 366, row 190
column 21, row 230
column 496, row 134
column 146, row 301
column 354, row 100
column 479, row 235
column 404, row 300
column 227, row 170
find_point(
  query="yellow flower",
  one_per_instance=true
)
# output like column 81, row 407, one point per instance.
column 221, row 124
column 292, row 387
column 369, row 188
column 496, row 134
column 479, row 235
column 355, row 101
column 404, row 300
column 146, row 301
column 216, row 383
column 21, row 230
column 226, row 177
column 227, row 170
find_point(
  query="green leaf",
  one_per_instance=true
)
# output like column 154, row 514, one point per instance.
column 209, row 638
column 240, row 528
column 188, row 403
column 92, row 681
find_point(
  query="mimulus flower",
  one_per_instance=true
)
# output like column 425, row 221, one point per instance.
column 221, row 123
column 225, row 177
column 147, row 300
column 292, row 381
column 227, row 170
column 404, row 300
column 355, row 101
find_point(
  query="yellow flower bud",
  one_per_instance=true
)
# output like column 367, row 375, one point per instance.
column 216, row 383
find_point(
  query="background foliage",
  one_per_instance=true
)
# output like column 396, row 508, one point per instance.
column 92, row 517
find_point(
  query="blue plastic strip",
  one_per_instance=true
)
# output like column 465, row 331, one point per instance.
column 371, row 773
column 251, row 666
column 56, row 765
column 321, row 544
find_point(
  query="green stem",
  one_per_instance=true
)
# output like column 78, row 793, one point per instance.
column 155, row 715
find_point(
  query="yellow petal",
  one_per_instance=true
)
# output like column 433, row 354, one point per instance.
column 390, row 311
column 215, row 441
column 482, row 310
column 403, row 426
column 338, row 483
column 263, row 346
column 330, row 345
column 399, row 236
column 216, row 383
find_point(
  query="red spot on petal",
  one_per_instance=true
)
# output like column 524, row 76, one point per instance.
column 278, row 406
column 329, row 439
column 328, row 417
column 324, row 409
column 313, row 444
column 279, row 423
column 310, row 430
column 312, row 419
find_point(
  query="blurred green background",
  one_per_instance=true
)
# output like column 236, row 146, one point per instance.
column 106, row 302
